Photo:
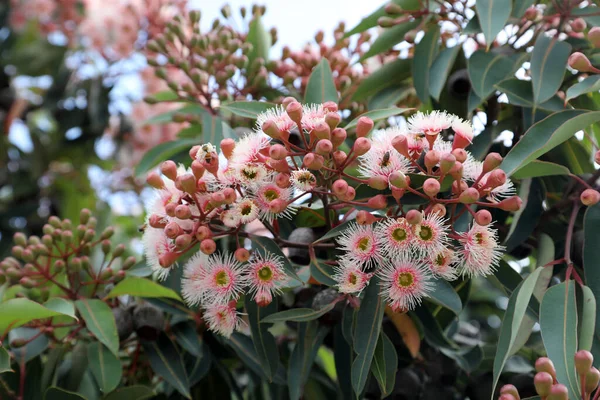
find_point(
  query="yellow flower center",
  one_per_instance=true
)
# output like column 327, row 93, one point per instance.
column 352, row 279
column 405, row 279
column 479, row 238
column 265, row 274
column 399, row 234
column 440, row 259
column 221, row 278
column 426, row 233
column 271, row 194
column 246, row 210
column 364, row 243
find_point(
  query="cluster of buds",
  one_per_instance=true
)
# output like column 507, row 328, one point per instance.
column 218, row 64
column 579, row 61
column 548, row 387
column 265, row 176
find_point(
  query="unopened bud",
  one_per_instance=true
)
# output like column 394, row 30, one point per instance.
column 242, row 255
column 338, row 135
column 227, row 147
column 20, row 239
column 119, row 250
column 129, row 262
column 333, row 119
column 513, row 204
column 510, row 390
column 578, row 25
column 365, row 218
column 583, row 361
column 393, row 8
column 330, row 106
column 377, row 202
column 208, row 246
column 491, row 162
column 469, row 196
column 183, row 211
column 414, row 217
column 361, row 146
column 169, row 169
column 558, row 392
column 229, row 195
column 282, row 180
column 349, row 195
column 399, row 180
column 578, row 61
column 438, row 209
column 278, row 152
column 294, row 110
column 543, row 383
column 321, row 131
column 447, row 162
column 339, row 157
column 154, row 180
column 172, row 230
column 203, row 232
column 400, row 143
column 313, row 161
column 339, row 187
column 432, row 158
column 483, row 217
column 496, row 178
column 594, row 36
column 324, row 147
column 183, row 241
column 431, row 187
column 385, row 22
column 460, row 154
column 194, row 152
column 378, row 182
column 198, row 169
column 456, row 171
column 592, row 379
column 107, row 233
column 167, row 259
column 187, row 183
column 589, row 197
column 531, row 13
column 544, row 364
column 364, row 126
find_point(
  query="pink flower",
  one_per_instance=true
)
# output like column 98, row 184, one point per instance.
column 396, row 237
column 214, row 279
column 349, row 277
column 361, row 245
column 404, row 282
column 480, row 253
column 265, row 276
column 248, row 148
column 382, row 159
column 278, row 116
column 474, row 170
column 442, row 264
column 157, row 244
column 252, row 175
column 247, row 210
column 430, row 235
column 312, row 114
column 231, row 218
column 222, row 318
column 270, row 195
column 463, row 133
column 431, row 123
column 303, row 180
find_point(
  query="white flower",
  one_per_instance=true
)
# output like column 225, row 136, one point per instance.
column 361, row 245
column 303, row 180
column 382, row 159
column 157, row 244
column 480, row 252
column 431, row 123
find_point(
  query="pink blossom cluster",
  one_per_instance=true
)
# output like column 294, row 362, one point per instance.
column 264, row 176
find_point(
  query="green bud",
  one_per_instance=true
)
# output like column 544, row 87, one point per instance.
column 119, row 250
column 129, row 262
column 106, row 274
column 48, row 229
column 28, row 255
column 75, row 264
column 27, row 283
column 59, row 265
column 106, row 246
column 54, row 221
column 81, row 232
column 108, row 232
column 47, row 241
column 92, row 223
column 33, row 240
column 195, row 16
column 86, row 249
column 67, row 237
column 66, row 225
column 20, row 239
column 17, row 251
column 89, row 235
column 84, row 216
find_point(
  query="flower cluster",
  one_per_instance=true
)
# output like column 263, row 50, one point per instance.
column 296, row 154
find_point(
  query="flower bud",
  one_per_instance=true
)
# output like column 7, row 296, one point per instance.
column 339, row 157
column 583, row 361
column 169, row 169
column 129, row 262
column 324, row 147
column 399, row 180
column 431, row 187
column 364, row 126
column 281, row 166
column 183, row 241
column 544, row 364
column 432, row 158
column 491, row 162
column 278, row 205
column 198, row 169
column 208, row 246
column 294, row 110
column 578, row 61
column 543, row 383
column 361, row 146
column 339, row 187
column 589, row 197
column 321, row 131
column 187, row 183
column 365, row 218
column 578, row 25
column 592, row 379
column 513, row 204
column 558, row 392
column 496, row 178
column 460, row 155
column 287, row 100
column 594, row 36
column 313, row 161
column 172, row 230
column 183, row 211
column 167, row 259
column 531, row 13
column 349, row 195
column 414, row 217
column 282, row 180
column 270, row 128
column 377, row 202
column 154, row 180
column 229, row 195
column 510, row 390
column 194, row 151
column 227, row 147
column 483, row 217
column 242, row 255
column 507, row 396
column 456, row 171
column 338, row 135
column 203, row 232
column 333, row 119
column 438, row 209
column 447, row 162
column 20, row 239
column 277, row 152
column 400, row 143
column 469, row 196
column 217, row 198
column 378, row 182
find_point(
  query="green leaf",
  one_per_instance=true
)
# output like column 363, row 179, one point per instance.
column 4, row 360
column 539, row 168
column 310, row 338
column 62, row 306
column 186, row 335
column 548, row 66
column 389, row 38
column 487, row 69
column 390, row 74
column 263, row 245
column 264, row 342
column 366, row 334
column 105, row 366
column 591, row 84
column 385, row 365
column 443, row 294
column 591, row 255
column 166, row 95
column 558, row 324
column 377, row 115
column 244, row 348
column 533, row 194
column 298, row 314
column 425, row 52
column 520, row 6
column 136, row 392
column 55, row 393
column 142, row 287
column 320, row 87
column 588, row 319
column 322, row 272
column 100, row 321
column 335, row 231
column 545, row 135
column 441, row 69
column 166, row 362
column 513, row 316
column 19, row 311
column 520, row 93
column 260, row 39
column 214, row 129
column 492, row 15
column 53, row 361
column 167, row 117
column 390, row 96
column 162, row 152
column 247, row 109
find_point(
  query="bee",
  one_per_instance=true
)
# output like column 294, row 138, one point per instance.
column 386, row 159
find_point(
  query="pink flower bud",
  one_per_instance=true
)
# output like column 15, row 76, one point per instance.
column 227, row 146
column 365, row 218
column 330, row 106
column 431, row 187
column 457, row 171
column 154, row 180
column 242, row 255
column 544, row 364
column 230, row 195
column 462, row 139
column 513, row 204
column 447, row 163
column 594, row 36
column 483, row 217
column 531, row 13
column 339, row 187
column 414, row 217
column 208, row 246
column 203, row 232
column 507, row 396
column 589, row 197
column 460, row 155
column 397, row 193
column 313, row 161
column 399, row 180
column 217, row 198
column 194, row 151
column 322, row 131
column 378, row 182
column 496, row 178
column 278, row 152
column 170, row 209
column 592, row 379
column 324, row 147
column 339, row 157
column 286, row 101
column 187, row 183
column 270, row 128
column 172, row 230
column 361, row 146
column 168, row 259
column 282, row 180
column 543, row 383
column 280, row 166
column 183, row 241
column 469, row 196
column 294, row 110
column 578, row 61
column 156, row 221
column 491, row 162
column 558, row 392
column 438, row 209
column 583, row 361
column 198, row 169
column 400, row 143
column 364, row 126
column 432, row 158
column 578, row 25
column 377, row 202
column 333, row 119
column 263, row 298
column 169, row 169
column 338, row 135
column 278, row 205
column 183, row 211
column 350, row 194
column 510, row 390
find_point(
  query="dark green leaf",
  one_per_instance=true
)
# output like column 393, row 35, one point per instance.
column 440, row 70
column 493, row 15
column 141, row 287
column 487, row 69
column 548, row 65
column 533, row 194
column 162, row 152
column 538, row 168
column 385, row 365
column 260, row 39
column 19, row 311
column 342, row 353
column 321, row 87
column 136, row 392
column 520, row 6
column 588, row 319
column 389, row 38
column 55, row 357
column 520, row 93
column 298, row 314
column 545, row 135
column 558, row 324
column 54, row 393
column 443, row 294
column 389, row 75
column 247, row 109
column 166, row 362
column 264, row 342
column 377, row 115
column 186, row 335
column 264, row 246
column 310, row 338
column 244, row 348
column 591, row 255
column 100, row 321
column 322, row 272
column 167, row 117
column 366, row 334
column 4, row 360
column 335, row 231
column 591, row 84
column 214, row 129
column 105, row 366
column 425, row 52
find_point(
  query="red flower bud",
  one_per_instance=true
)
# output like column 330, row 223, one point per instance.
column 172, row 230
column 432, row 158
column 365, row 218
column 513, row 204
column 270, row 129
column 583, row 361
column 294, row 110
column 324, row 147
column 400, row 143
column 364, row 126
column 361, row 146
column 339, row 187
column 322, row 131
column 154, row 180
column 198, row 169
column 544, row 364
column 208, row 246
column 590, row 197
column 491, row 162
column 338, row 135
column 431, row 187
column 187, row 183
column 594, row 36
column 377, row 202
column 510, row 390
column 460, row 155
column 483, row 217
column 578, row 25
column 339, row 157
column 447, row 162
column 558, row 392
column 282, row 180
column 183, row 211
column 169, row 169
column 469, row 196
column 592, row 379
column 414, row 217
column 313, row 161
column 242, row 255
column 277, row 152
column 580, row 62
column 168, row 259
column 330, row 106
column 183, row 241
column 378, row 182
column 543, row 383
